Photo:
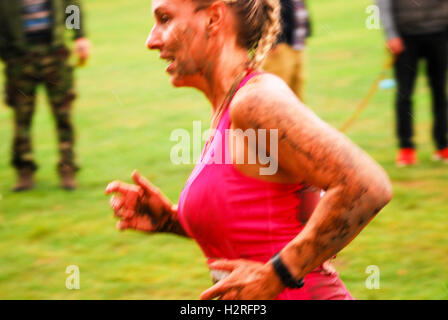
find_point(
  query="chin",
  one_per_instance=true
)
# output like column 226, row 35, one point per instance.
column 178, row 81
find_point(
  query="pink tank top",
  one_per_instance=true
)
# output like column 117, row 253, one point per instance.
column 232, row 215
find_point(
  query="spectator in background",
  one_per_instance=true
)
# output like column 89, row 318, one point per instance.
column 33, row 50
column 417, row 30
column 287, row 59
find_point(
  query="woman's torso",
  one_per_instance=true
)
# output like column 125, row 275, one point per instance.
column 234, row 216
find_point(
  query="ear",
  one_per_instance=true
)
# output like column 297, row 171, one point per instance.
column 216, row 15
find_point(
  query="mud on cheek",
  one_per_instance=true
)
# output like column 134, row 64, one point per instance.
column 191, row 60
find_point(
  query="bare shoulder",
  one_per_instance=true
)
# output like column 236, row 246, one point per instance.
column 309, row 149
column 262, row 93
column 264, row 101
column 267, row 83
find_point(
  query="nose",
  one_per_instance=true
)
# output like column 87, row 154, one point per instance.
column 154, row 40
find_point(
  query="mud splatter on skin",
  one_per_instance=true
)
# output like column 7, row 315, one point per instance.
column 309, row 146
column 361, row 221
column 347, row 206
column 339, row 223
column 186, row 63
column 163, row 219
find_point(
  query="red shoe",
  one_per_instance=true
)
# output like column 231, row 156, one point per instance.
column 441, row 155
column 406, row 157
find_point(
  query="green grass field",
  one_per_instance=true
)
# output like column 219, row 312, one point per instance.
column 124, row 116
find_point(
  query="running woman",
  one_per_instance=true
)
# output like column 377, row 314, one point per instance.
column 253, row 227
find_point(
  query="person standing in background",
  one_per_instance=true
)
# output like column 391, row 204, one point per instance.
column 417, row 30
column 287, row 58
column 33, row 50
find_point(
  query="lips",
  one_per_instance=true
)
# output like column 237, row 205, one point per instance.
column 170, row 60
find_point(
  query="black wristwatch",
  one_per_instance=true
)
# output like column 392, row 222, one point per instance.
column 284, row 274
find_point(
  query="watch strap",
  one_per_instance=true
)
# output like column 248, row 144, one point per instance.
column 284, row 274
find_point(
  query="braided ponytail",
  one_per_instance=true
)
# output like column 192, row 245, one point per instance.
column 258, row 25
column 271, row 29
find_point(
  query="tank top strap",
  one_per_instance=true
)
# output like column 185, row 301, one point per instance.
column 250, row 74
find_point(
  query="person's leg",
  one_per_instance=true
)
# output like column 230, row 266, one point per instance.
column 21, row 82
column 405, row 74
column 436, row 54
column 58, row 77
column 299, row 74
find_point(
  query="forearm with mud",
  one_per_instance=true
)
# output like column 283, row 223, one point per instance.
column 341, row 214
column 164, row 217
column 172, row 224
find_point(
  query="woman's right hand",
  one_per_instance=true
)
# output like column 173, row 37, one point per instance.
column 140, row 206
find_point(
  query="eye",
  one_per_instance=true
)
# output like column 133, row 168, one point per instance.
column 164, row 18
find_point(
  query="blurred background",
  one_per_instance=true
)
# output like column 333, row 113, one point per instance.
column 124, row 116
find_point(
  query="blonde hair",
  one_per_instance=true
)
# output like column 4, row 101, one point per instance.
column 258, row 25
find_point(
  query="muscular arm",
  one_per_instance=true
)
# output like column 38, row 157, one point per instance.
column 313, row 152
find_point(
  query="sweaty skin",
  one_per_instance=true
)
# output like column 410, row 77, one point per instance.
column 203, row 52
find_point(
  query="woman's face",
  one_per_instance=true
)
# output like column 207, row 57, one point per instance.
column 180, row 34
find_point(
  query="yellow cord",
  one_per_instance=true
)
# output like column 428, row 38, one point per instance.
column 373, row 88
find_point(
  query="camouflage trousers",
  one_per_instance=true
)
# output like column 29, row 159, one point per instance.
column 49, row 66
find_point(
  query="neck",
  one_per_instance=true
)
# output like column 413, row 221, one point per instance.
column 229, row 63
